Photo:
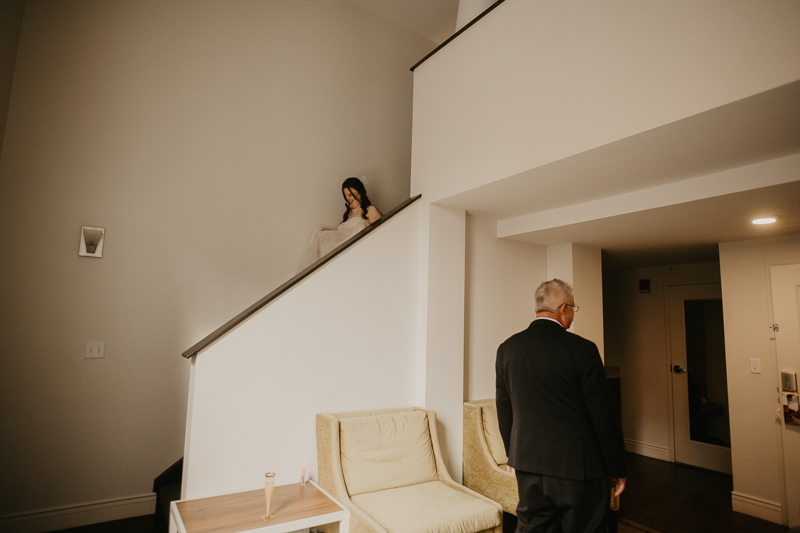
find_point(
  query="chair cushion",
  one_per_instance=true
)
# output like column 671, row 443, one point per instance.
column 431, row 507
column 491, row 428
column 386, row 451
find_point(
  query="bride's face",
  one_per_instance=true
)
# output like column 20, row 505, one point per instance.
column 352, row 198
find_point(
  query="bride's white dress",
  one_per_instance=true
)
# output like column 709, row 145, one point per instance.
column 323, row 242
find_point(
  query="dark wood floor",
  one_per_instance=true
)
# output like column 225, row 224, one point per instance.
column 673, row 498
column 140, row 524
column 666, row 497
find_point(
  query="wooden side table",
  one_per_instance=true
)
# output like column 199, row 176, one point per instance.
column 294, row 507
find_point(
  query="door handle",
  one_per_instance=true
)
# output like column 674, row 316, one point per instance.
column 678, row 369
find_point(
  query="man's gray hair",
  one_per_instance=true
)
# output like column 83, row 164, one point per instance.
column 553, row 294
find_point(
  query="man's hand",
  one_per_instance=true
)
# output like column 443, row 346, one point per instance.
column 514, row 472
column 619, row 485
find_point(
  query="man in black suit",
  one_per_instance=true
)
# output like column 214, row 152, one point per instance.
column 558, row 421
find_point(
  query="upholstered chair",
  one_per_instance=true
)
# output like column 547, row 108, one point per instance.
column 485, row 456
column 386, row 467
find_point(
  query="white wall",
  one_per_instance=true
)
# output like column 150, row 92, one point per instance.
column 442, row 335
column 341, row 340
column 753, row 398
column 559, row 262
column 501, row 279
column 469, row 9
column 208, row 139
column 581, row 266
column 636, row 341
column 536, row 82
column 587, row 282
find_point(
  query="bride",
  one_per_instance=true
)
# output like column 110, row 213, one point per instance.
column 359, row 213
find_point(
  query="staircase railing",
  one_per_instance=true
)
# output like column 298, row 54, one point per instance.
column 244, row 315
column 459, row 32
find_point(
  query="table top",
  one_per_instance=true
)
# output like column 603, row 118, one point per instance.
column 242, row 511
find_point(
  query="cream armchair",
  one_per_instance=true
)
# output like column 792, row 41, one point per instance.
column 485, row 456
column 386, row 467
column 485, row 459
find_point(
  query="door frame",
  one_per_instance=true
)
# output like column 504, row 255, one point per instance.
column 699, row 454
column 773, row 348
column 668, row 362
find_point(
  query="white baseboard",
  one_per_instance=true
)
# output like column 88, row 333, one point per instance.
column 78, row 515
column 648, row 450
column 758, row 507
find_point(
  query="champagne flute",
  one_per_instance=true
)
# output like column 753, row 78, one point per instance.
column 269, row 488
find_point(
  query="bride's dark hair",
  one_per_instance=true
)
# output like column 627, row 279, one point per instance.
column 354, row 184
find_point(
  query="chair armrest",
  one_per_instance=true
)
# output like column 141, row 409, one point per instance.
column 360, row 522
column 452, row 484
column 444, row 475
column 466, row 490
column 329, row 459
column 441, row 468
column 329, row 468
column 481, row 472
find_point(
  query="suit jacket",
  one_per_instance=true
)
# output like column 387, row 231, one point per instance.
column 554, row 405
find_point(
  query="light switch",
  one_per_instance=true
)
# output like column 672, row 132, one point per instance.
column 755, row 365
column 95, row 350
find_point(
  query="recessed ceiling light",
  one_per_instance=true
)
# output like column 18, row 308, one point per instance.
column 765, row 220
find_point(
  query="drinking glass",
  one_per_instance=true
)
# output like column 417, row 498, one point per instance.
column 269, row 488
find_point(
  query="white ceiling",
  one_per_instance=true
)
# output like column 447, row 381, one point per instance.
column 683, row 233
column 758, row 128
column 589, row 205
column 433, row 19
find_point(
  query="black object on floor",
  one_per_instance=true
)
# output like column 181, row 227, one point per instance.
column 167, row 487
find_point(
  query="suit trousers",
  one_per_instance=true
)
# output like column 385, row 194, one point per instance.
column 555, row 505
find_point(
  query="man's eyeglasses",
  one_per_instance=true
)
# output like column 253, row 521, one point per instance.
column 574, row 307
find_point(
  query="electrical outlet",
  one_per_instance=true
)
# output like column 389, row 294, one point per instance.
column 95, row 350
column 755, row 365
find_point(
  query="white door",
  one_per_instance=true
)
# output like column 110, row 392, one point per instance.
column 786, row 314
column 701, row 425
